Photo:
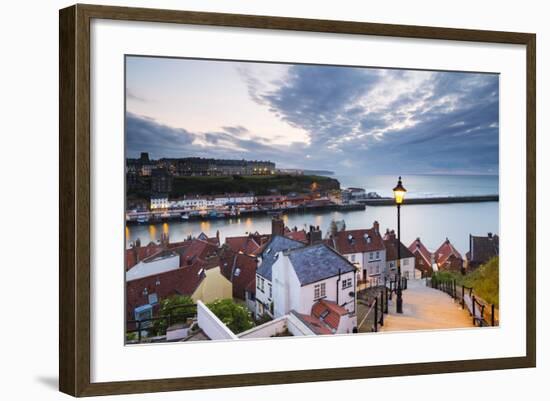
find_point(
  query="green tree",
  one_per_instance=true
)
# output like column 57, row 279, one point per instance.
column 233, row 315
column 174, row 309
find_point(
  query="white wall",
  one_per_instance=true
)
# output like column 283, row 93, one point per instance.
column 268, row 329
column 289, row 294
column 211, row 325
column 30, row 61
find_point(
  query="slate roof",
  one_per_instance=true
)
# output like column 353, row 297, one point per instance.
column 317, row 262
column 268, row 255
column 483, row 248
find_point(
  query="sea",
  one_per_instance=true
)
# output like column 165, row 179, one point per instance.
column 431, row 223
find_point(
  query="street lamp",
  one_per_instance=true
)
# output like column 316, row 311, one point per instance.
column 399, row 195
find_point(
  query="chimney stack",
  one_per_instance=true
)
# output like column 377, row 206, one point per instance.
column 315, row 235
column 277, row 226
column 376, row 227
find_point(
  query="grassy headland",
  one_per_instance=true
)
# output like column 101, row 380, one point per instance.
column 484, row 280
column 259, row 185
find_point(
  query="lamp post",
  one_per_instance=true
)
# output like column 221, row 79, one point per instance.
column 399, row 195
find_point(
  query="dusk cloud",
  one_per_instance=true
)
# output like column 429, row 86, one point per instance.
column 355, row 120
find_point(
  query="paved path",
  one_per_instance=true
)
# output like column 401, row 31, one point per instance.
column 425, row 308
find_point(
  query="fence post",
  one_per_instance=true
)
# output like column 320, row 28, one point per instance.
column 474, row 309
column 381, row 308
column 375, row 314
column 386, row 299
column 454, row 289
column 463, row 296
column 492, row 314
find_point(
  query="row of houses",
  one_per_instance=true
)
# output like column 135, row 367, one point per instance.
column 448, row 258
column 287, row 275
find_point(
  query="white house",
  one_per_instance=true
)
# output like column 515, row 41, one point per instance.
column 233, row 199
column 408, row 268
column 159, row 202
column 264, row 286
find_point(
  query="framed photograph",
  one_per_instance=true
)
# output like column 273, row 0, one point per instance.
column 238, row 189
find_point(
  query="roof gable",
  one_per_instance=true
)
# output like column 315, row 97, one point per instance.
column 276, row 244
column 391, row 250
column 446, row 251
column 317, row 262
column 418, row 248
column 358, row 241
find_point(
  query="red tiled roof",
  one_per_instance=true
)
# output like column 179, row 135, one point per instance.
column 248, row 244
column 328, row 312
column 181, row 281
column 355, row 241
column 240, row 269
column 417, row 247
column 391, row 250
column 134, row 255
column 313, row 323
column 196, row 249
column 446, row 251
column 300, row 235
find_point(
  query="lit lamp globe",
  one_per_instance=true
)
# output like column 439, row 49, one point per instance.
column 399, row 192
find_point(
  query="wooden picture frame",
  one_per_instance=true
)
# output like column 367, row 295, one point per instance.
column 75, row 208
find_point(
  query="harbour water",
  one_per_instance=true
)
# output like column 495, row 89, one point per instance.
column 432, row 223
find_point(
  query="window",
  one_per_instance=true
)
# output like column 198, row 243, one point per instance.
column 370, row 255
column 346, row 283
column 377, row 255
column 353, row 258
column 377, row 268
column 270, row 291
column 405, row 262
column 319, row 291
column 153, row 298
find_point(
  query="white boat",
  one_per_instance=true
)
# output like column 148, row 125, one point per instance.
column 142, row 219
column 184, row 216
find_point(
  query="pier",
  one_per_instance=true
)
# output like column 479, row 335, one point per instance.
column 429, row 201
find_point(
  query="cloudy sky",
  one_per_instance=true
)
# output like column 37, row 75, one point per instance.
column 348, row 120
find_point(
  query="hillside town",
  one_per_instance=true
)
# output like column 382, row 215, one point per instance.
column 154, row 195
column 290, row 281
